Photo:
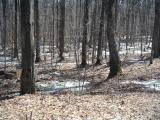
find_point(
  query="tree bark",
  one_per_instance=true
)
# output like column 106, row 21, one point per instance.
column 99, row 52
column 4, row 5
column 4, row 34
column 36, row 32
column 93, row 32
column 53, row 27
column 156, row 31
column 27, row 77
column 115, row 67
column 15, row 31
column 84, row 40
column 61, row 29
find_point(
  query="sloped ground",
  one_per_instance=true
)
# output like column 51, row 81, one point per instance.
column 109, row 101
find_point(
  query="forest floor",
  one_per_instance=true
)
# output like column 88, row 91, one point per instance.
column 115, row 99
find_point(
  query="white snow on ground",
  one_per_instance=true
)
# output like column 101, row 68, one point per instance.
column 150, row 85
column 2, row 59
column 55, row 86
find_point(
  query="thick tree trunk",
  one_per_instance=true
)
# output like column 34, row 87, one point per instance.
column 99, row 52
column 27, row 77
column 115, row 68
column 156, row 31
column 84, row 41
column 61, row 29
column 36, row 33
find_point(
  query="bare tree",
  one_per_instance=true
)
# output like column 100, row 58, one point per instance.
column 156, row 31
column 61, row 29
column 84, row 41
column 36, row 32
column 27, row 77
column 4, row 29
column 53, row 7
column 99, row 52
column 4, row 5
column 93, row 32
column 15, row 31
column 115, row 67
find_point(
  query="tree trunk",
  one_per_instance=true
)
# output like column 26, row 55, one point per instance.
column 27, row 77
column 15, row 32
column 57, row 23
column 61, row 29
column 156, row 31
column 127, row 29
column 53, row 28
column 115, row 68
column 84, row 40
column 99, row 52
column 4, row 34
column 4, row 5
column 93, row 36
column 36, row 32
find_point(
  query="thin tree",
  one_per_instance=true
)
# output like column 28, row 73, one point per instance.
column 115, row 67
column 36, row 32
column 4, row 29
column 53, row 7
column 93, row 32
column 84, row 40
column 4, row 5
column 99, row 52
column 27, row 77
column 57, row 23
column 128, row 10
column 15, row 31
